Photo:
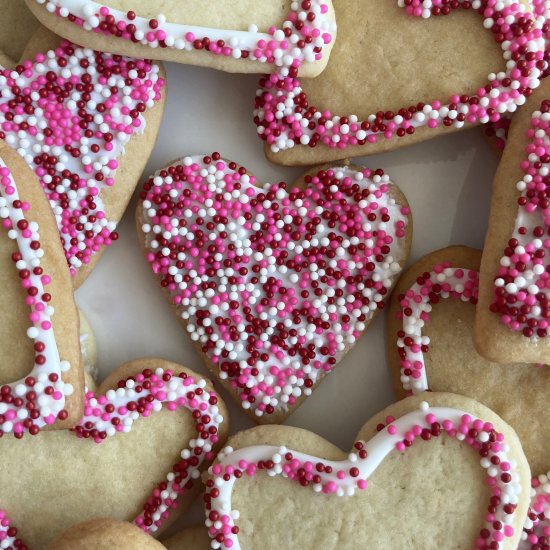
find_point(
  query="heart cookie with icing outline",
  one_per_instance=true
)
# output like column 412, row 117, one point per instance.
column 105, row 534
column 39, row 326
column 429, row 333
column 244, row 37
column 454, row 64
column 273, row 284
column 513, row 313
column 452, row 459
column 136, row 455
column 85, row 122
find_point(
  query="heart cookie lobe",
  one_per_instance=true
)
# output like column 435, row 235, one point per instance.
column 401, row 456
column 513, row 314
column 241, row 36
column 430, row 348
column 40, row 333
column 378, row 96
column 273, row 284
column 84, row 121
column 101, row 534
column 137, row 454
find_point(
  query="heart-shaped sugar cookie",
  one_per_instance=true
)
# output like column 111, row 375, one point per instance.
column 39, row 321
column 513, row 314
column 105, row 534
column 274, row 285
column 238, row 36
column 84, row 121
column 430, row 347
column 401, row 73
column 452, row 459
column 157, row 425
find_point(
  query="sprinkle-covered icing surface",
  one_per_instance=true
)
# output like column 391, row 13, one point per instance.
column 37, row 400
column 69, row 114
column 274, row 284
column 536, row 532
column 302, row 37
column 444, row 282
column 499, row 130
column 345, row 477
column 140, row 396
column 522, row 283
column 284, row 117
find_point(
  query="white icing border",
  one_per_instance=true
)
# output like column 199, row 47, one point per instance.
column 47, row 405
column 236, row 39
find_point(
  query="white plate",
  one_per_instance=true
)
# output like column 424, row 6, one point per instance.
column 447, row 182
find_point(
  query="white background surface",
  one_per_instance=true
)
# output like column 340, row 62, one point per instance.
column 448, row 185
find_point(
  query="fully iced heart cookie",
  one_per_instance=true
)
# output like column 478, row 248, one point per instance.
column 380, row 93
column 84, row 121
column 513, row 313
column 454, row 459
column 157, row 425
column 39, row 321
column 430, row 327
column 106, row 534
column 237, row 36
column 273, row 284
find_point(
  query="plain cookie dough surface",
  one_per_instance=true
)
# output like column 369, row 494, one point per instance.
column 516, row 392
column 193, row 538
column 88, row 346
column 433, row 496
column 105, row 534
column 16, row 25
column 385, row 60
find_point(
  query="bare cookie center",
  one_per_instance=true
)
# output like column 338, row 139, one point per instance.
column 386, row 60
column 508, row 389
column 17, row 25
column 81, row 480
column 221, row 14
column 450, row 500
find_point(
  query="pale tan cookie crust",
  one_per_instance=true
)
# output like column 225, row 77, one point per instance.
column 492, row 338
column 385, row 60
column 516, row 392
column 281, row 416
column 433, row 494
column 105, row 534
column 17, row 348
column 88, row 345
column 17, row 24
column 137, row 151
column 265, row 13
column 51, row 482
column 193, row 538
